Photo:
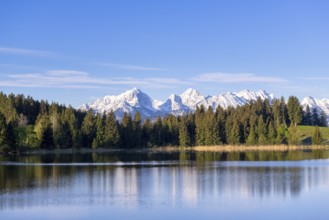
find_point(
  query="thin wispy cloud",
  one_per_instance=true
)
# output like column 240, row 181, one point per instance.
column 314, row 78
column 25, row 52
column 167, row 80
column 237, row 78
column 130, row 67
column 79, row 80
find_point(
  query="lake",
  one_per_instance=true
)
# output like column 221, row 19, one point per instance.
column 166, row 185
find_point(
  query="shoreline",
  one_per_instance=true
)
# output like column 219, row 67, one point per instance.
column 217, row 148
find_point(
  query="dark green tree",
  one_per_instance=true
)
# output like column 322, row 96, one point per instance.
column 235, row 134
column 307, row 119
column 294, row 110
column 127, row 132
column 184, row 136
column 47, row 138
column 315, row 117
column 88, row 130
column 252, row 138
column 262, row 131
column 112, row 134
column 271, row 137
column 137, row 127
column 3, row 130
column 323, row 119
column 99, row 140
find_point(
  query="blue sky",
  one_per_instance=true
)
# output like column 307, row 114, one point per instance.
column 74, row 51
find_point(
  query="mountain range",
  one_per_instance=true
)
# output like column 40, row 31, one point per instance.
column 135, row 100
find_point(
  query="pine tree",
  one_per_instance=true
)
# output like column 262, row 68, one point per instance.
column 147, row 129
column 235, row 134
column 277, row 112
column 137, row 129
column 184, row 137
column 100, row 130
column 112, row 134
column 294, row 110
column 271, row 137
column 72, row 120
column 11, row 136
column 281, row 135
column 323, row 119
column 262, row 131
column 191, row 127
column 284, row 112
column 199, row 126
column 221, row 118
column 47, row 138
column 315, row 117
column 307, row 116
column 252, row 138
column 3, row 130
column 158, row 132
column 317, row 136
column 127, row 131
column 88, row 130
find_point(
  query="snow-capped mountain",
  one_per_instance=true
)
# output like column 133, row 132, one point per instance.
column 319, row 104
column 135, row 100
column 130, row 101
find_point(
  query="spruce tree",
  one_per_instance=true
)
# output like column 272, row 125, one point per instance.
column 315, row 117
column 220, row 118
column 47, row 138
column 281, row 135
column 112, row 134
column 137, row 129
column 271, row 137
column 307, row 116
column 262, row 131
column 3, row 130
column 100, row 130
column 323, row 119
column 184, row 137
column 294, row 110
column 235, row 134
column 158, row 132
column 127, row 135
column 191, row 127
column 88, row 129
column 147, row 136
column 200, row 126
column 252, row 138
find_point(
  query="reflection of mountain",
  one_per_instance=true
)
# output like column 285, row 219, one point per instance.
column 187, row 184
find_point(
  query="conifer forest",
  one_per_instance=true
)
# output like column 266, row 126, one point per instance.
column 29, row 124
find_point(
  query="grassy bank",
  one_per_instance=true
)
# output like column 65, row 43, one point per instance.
column 244, row 148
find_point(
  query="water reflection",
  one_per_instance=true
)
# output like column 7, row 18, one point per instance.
column 179, row 182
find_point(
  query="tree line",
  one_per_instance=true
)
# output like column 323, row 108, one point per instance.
column 25, row 122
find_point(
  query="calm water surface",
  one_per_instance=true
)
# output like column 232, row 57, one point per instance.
column 144, row 185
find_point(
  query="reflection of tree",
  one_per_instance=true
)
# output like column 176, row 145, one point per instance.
column 204, row 177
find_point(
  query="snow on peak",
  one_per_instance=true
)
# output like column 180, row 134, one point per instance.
column 134, row 100
column 174, row 105
column 190, row 92
column 251, row 95
column 192, row 98
column 319, row 104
